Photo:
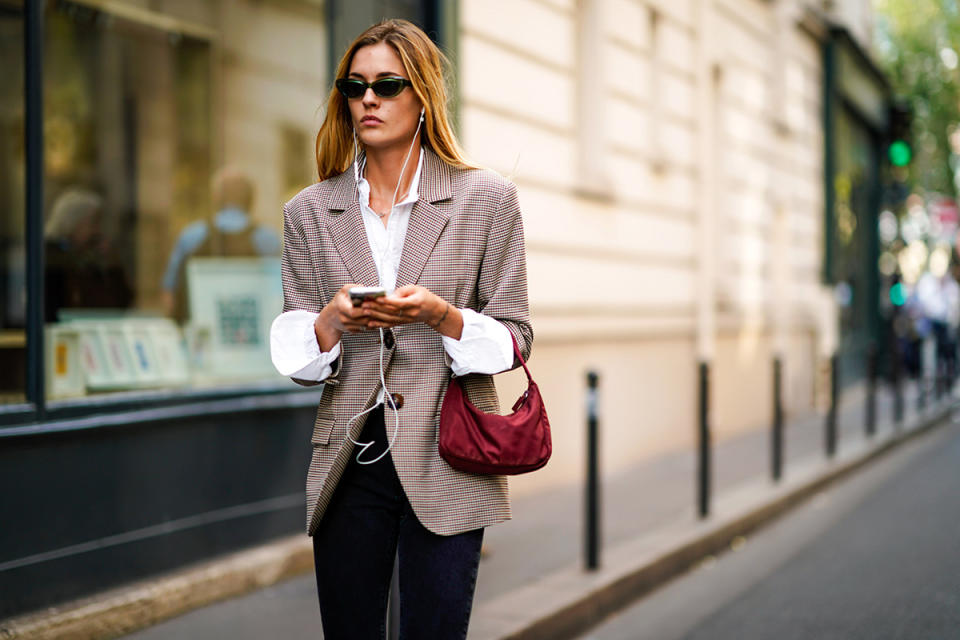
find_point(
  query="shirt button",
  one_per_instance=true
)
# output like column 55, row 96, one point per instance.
column 396, row 400
column 388, row 340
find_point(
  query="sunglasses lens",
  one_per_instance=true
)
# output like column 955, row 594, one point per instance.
column 351, row 89
column 388, row 87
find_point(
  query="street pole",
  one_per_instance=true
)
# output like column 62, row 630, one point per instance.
column 592, row 498
column 871, row 408
column 776, row 440
column 709, row 76
column 831, row 427
column 703, row 441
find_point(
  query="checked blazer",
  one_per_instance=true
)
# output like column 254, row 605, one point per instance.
column 464, row 243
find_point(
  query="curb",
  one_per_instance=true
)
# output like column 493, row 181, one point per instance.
column 132, row 607
column 570, row 601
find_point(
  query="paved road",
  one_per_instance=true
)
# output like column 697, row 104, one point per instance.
column 875, row 557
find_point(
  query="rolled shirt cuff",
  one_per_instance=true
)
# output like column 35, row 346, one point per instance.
column 485, row 345
column 294, row 349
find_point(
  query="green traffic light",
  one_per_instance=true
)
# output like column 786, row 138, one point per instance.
column 900, row 153
column 897, row 295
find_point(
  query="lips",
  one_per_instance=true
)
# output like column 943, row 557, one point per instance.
column 371, row 120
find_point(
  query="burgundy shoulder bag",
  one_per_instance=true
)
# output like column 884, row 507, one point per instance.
column 477, row 442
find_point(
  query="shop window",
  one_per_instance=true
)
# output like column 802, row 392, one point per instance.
column 157, row 277
column 297, row 160
column 12, row 207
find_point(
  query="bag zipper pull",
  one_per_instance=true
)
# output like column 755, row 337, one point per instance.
column 520, row 401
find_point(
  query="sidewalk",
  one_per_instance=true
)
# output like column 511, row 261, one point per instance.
column 657, row 492
column 653, row 501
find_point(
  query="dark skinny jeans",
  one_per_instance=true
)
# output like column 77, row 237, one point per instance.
column 368, row 522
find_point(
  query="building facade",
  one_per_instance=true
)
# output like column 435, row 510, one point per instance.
column 696, row 177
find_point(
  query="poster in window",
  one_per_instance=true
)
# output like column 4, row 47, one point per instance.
column 140, row 342
column 64, row 374
column 93, row 358
column 235, row 300
column 168, row 347
column 120, row 359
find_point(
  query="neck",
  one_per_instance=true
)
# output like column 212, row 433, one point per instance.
column 382, row 171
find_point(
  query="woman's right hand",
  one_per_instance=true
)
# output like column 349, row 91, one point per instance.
column 337, row 317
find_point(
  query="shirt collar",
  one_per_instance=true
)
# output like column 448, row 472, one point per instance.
column 363, row 187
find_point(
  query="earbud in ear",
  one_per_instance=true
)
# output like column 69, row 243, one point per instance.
column 422, row 111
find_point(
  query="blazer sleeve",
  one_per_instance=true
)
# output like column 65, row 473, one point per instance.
column 300, row 287
column 502, row 282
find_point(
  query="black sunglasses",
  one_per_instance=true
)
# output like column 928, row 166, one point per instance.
column 351, row 88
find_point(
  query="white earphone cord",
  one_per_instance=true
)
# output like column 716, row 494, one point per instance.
column 383, row 256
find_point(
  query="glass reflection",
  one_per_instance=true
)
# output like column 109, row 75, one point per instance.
column 156, row 276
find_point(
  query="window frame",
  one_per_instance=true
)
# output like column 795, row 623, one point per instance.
column 35, row 391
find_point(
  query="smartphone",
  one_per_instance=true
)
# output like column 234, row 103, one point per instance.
column 359, row 294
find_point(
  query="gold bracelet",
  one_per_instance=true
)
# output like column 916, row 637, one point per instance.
column 442, row 318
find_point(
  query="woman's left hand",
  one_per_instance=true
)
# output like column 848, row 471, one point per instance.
column 413, row 303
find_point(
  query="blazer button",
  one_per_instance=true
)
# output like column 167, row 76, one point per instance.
column 388, row 340
column 396, row 400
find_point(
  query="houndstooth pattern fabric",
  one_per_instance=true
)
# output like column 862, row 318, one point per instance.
column 464, row 243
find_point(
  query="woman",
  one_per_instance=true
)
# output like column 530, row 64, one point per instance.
column 397, row 207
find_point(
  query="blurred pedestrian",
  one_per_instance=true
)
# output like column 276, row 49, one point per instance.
column 83, row 270
column 939, row 297
column 229, row 233
column 399, row 208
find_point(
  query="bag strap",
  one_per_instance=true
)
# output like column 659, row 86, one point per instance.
column 516, row 351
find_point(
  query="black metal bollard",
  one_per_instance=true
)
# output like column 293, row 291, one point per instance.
column 938, row 381
column 950, row 377
column 703, row 466
column 592, row 524
column 871, row 408
column 831, row 426
column 921, row 380
column 897, row 374
column 776, row 441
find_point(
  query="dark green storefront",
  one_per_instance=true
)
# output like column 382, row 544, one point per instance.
column 856, row 106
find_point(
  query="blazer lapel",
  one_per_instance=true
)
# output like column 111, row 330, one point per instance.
column 345, row 223
column 426, row 220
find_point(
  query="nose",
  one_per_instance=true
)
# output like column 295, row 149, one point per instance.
column 370, row 98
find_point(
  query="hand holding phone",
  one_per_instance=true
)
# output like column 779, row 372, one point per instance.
column 359, row 294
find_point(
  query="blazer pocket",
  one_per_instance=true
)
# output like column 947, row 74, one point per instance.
column 322, row 428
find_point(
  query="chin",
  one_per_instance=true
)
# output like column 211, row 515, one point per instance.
column 379, row 141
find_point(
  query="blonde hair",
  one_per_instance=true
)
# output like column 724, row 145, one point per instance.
column 424, row 64
column 73, row 207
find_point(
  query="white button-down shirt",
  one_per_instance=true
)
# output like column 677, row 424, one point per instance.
column 485, row 345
